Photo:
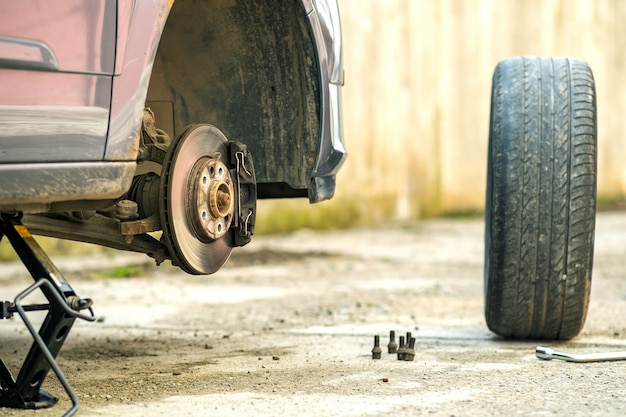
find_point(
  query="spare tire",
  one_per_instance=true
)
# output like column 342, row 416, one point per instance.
column 541, row 198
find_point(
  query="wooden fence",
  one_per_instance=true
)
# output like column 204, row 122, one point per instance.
column 418, row 85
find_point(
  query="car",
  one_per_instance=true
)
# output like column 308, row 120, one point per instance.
column 154, row 127
column 114, row 113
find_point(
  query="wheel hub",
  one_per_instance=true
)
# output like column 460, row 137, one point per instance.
column 210, row 202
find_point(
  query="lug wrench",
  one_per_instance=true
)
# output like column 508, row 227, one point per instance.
column 547, row 354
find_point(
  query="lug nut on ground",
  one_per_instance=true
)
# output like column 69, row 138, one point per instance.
column 376, row 351
column 400, row 351
column 405, row 348
column 409, row 352
column 392, row 346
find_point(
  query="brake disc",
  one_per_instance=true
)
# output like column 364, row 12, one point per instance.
column 197, row 200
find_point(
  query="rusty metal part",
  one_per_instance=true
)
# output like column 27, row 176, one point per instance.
column 154, row 142
column 145, row 190
column 130, row 229
column 376, row 351
column 392, row 346
column 209, row 202
column 401, row 349
column 547, row 354
column 99, row 230
column 409, row 351
column 126, row 210
column 185, row 232
column 246, row 194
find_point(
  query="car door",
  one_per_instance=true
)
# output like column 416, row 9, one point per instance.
column 56, row 69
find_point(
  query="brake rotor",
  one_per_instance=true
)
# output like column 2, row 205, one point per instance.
column 197, row 200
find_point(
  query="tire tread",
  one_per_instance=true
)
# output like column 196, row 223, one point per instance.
column 540, row 214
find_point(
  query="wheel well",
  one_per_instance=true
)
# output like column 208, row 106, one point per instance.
column 249, row 68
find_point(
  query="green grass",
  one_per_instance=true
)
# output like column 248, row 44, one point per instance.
column 126, row 271
column 467, row 214
column 53, row 247
column 283, row 216
column 607, row 202
column 289, row 215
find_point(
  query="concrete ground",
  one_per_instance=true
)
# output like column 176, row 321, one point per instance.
column 287, row 327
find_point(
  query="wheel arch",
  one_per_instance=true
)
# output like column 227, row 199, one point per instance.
column 250, row 68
